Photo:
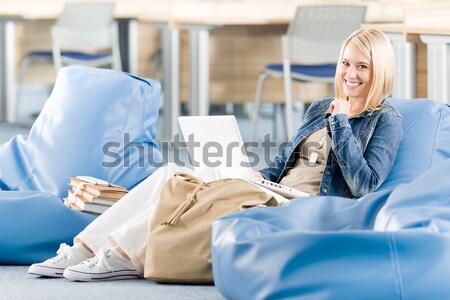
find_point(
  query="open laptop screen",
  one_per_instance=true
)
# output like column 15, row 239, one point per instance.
column 215, row 142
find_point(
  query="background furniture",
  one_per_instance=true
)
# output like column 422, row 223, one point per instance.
column 42, row 11
column 85, row 33
column 86, row 26
column 230, row 44
column 244, row 39
column 310, row 50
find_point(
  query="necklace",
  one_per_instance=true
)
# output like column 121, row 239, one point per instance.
column 315, row 154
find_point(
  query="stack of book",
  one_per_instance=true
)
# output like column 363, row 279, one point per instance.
column 93, row 195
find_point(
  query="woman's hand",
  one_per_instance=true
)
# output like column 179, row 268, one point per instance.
column 340, row 106
column 257, row 174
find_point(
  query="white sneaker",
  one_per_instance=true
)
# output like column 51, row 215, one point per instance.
column 106, row 265
column 66, row 256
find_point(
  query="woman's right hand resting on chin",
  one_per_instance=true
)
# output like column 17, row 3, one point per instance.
column 340, row 106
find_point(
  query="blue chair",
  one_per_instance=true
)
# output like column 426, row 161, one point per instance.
column 310, row 49
column 97, row 122
column 390, row 244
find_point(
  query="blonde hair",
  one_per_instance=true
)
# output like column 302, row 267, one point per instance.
column 377, row 48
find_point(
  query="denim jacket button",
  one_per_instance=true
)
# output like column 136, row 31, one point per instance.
column 328, row 173
column 324, row 190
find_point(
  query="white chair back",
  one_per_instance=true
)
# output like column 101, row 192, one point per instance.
column 86, row 26
column 314, row 37
column 316, row 33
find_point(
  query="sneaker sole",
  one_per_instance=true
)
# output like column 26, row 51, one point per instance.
column 116, row 275
column 46, row 271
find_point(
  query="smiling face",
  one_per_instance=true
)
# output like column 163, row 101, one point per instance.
column 365, row 70
column 355, row 73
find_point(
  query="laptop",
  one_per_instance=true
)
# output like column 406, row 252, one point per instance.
column 215, row 141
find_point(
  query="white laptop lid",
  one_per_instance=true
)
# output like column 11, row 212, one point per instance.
column 218, row 144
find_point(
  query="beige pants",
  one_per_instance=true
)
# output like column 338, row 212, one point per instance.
column 126, row 223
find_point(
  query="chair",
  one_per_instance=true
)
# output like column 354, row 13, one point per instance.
column 310, row 51
column 86, row 28
column 85, row 34
column 97, row 122
column 377, row 247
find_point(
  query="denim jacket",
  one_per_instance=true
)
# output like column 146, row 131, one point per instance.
column 363, row 149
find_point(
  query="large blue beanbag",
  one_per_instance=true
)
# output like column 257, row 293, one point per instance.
column 425, row 142
column 97, row 122
column 82, row 129
column 390, row 244
column 33, row 224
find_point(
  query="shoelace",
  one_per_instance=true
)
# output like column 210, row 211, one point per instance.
column 62, row 253
column 97, row 258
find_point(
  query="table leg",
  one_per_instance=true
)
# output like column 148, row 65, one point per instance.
column 199, row 69
column 128, row 42
column 171, row 83
column 7, row 71
column 409, row 69
column 438, row 66
column 3, row 105
column 133, row 47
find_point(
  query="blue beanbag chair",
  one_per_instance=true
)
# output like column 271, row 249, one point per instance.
column 96, row 122
column 390, row 244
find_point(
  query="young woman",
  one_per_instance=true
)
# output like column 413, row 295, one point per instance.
column 345, row 146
